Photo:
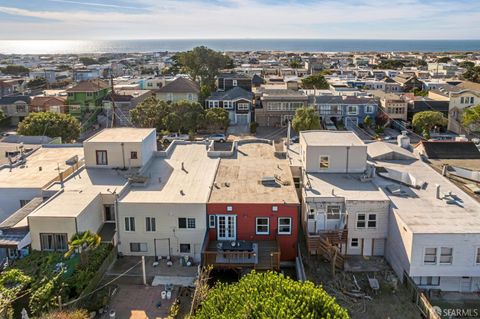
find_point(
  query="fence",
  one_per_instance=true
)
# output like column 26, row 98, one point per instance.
column 419, row 299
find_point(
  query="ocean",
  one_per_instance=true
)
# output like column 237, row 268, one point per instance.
column 297, row 45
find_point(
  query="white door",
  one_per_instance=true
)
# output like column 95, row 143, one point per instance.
column 226, row 227
column 378, row 247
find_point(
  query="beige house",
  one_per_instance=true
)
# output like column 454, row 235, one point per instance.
column 393, row 105
column 166, row 215
column 181, row 89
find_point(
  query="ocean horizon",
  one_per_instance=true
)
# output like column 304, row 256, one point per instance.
column 295, row 45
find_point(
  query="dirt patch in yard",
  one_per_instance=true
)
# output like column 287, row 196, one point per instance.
column 390, row 301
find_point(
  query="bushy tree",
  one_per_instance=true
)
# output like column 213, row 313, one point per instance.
column 306, row 118
column 82, row 243
column 202, row 64
column 37, row 83
column 316, row 81
column 466, row 64
column 424, row 121
column 444, row 59
column 150, row 113
column 15, row 70
column 217, row 118
column 471, row 117
column 50, row 124
column 472, row 74
column 269, row 295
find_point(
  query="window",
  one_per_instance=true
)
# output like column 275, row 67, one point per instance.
column 461, row 100
column 150, row 224
column 352, row 110
column 102, row 158
column 21, row 108
column 185, row 248
column 53, row 242
column 429, row 281
column 324, row 162
column 133, row 155
column 369, row 109
column 129, row 223
column 89, row 93
column 243, row 106
column 211, row 221
column 372, row 220
column 227, row 104
column 446, row 255
column 471, row 100
column 186, row 223
column 229, row 208
column 169, row 96
column 333, row 212
column 430, row 257
column 477, row 259
column 234, row 83
column 262, row 225
column 190, row 96
column 138, row 247
column 284, row 226
column 354, row 242
column 360, row 220
column 274, row 208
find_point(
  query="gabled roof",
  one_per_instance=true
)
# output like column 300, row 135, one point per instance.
column 180, row 85
column 450, row 150
column 14, row 219
column 467, row 85
column 232, row 94
column 47, row 100
column 257, row 79
column 89, row 86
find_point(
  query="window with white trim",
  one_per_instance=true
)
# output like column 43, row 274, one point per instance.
column 477, row 258
column 243, row 106
column 185, row 248
column 227, row 104
column 211, row 221
column 369, row 109
column 372, row 221
column 324, row 162
column 129, row 223
column 262, row 225
column 284, row 226
column 190, row 96
column 354, row 242
column 429, row 281
column 234, row 83
column 430, row 257
column 186, row 223
column 446, row 255
column 274, row 208
column 138, row 247
column 361, row 220
column 150, row 224
column 229, row 208
column 352, row 110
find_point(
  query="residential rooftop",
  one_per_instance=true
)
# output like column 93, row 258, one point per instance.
column 335, row 185
column 123, row 134
column 40, row 168
column 331, row 138
column 185, row 176
column 79, row 191
column 419, row 208
column 239, row 178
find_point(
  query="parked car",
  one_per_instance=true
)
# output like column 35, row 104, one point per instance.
column 175, row 136
column 217, row 138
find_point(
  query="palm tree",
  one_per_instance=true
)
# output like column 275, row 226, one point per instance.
column 81, row 243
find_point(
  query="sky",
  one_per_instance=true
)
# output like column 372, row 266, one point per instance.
column 212, row 19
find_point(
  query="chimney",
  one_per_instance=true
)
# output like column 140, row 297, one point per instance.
column 444, row 169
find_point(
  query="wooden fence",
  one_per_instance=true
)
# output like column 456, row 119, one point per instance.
column 419, row 299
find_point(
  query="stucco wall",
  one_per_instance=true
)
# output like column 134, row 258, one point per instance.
column 357, row 157
column 42, row 224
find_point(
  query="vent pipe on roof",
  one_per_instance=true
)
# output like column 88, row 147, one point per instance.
column 437, row 191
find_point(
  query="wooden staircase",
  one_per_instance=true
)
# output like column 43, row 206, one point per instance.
column 328, row 245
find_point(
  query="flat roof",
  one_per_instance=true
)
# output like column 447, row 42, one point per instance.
column 348, row 186
column 239, row 178
column 168, row 182
column 79, row 191
column 12, row 147
column 331, row 138
column 40, row 168
column 421, row 211
column 123, row 134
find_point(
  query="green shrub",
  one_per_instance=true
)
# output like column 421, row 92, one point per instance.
column 269, row 295
column 253, row 127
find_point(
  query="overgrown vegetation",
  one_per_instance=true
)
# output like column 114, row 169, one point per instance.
column 423, row 122
column 43, row 276
column 15, row 70
column 471, row 118
column 316, row 81
column 306, row 118
column 269, row 295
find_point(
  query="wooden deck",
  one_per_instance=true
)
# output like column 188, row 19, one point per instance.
column 266, row 255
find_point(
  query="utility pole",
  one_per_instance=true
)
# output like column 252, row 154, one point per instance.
column 112, row 96
column 143, row 271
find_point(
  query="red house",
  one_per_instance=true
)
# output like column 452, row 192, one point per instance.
column 252, row 211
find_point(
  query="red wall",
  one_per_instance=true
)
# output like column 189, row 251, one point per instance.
column 246, row 214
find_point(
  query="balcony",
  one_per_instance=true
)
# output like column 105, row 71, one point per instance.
column 262, row 255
